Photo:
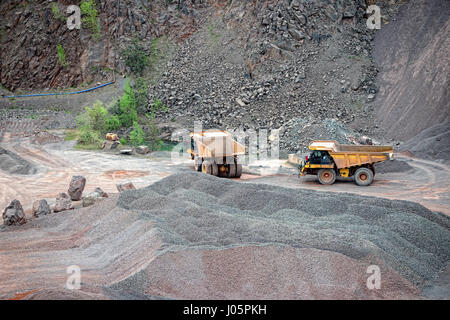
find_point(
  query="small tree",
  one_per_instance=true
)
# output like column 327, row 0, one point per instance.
column 112, row 123
column 90, row 19
column 127, row 107
column 137, row 136
column 93, row 118
column 135, row 57
column 141, row 93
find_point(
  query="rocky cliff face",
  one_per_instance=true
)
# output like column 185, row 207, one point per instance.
column 249, row 64
column 30, row 32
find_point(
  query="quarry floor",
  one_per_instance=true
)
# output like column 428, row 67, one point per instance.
column 116, row 247
column 426, row 183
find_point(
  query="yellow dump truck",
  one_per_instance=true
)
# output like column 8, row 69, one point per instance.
column 329, row 159
column 215, row 152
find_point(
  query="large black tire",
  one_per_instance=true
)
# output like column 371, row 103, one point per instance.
column 238, row 170
column 326, row 176
column 363, row 177
column 207, row 167
column 231, row 171
column 198, row 164
column 214, row 169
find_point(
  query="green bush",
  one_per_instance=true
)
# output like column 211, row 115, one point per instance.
column 137, row 136
column 92, row 125
column 87, row 136
column 152, row 134
column 112, row 123
column 127, row 107
column 141, row 94
column 135, row 57
column 157, row 105
column 57, row 13
column 61, row 56
column 96, row 117
column 90, row 19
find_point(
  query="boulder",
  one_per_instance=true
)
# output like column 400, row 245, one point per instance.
column 142, row 150
column 126, row 151
column 102, row 193
column 14, row 214
column 76, row 187
column 40, row 207
column 110, row 145
column 297, row 35
column 91, row 199
column 125, row 186
column 63, row 203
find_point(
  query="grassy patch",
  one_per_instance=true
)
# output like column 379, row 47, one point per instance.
column 70, row 135
column 213, row 35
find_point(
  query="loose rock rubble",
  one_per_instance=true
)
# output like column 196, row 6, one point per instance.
column 76, row 187
column 14, row 214
column 125, row 186
column 40, row 208
column 63, row 203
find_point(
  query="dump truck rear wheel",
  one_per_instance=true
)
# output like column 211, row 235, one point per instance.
column 215, row 169
column 326, row 176
column 231, row 171
column 363, row 177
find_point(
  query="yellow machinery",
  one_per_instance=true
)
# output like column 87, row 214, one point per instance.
column 215, row 152
column 330, row 159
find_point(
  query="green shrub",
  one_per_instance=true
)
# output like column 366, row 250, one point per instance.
column 61, row 56
column 135, row 57
column 137, row 136
column 127, row 107
column 152, row 134
column 141, row 94
column 157, row 105
column 57, row 13
column 87, row 136
column 112, row 123
column 97, row 116
column 123, row 141
column 90, row 19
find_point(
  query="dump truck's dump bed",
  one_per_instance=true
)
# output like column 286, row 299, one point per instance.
column 214, row 144
column 346, row 156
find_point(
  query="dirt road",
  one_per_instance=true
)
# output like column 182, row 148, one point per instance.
column 427, row 183
column 57, row 163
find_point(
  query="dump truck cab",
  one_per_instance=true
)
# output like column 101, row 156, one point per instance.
column 329, row 159
column 215, row 152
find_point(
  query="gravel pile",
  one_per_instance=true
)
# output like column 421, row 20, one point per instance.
column 193, row 210
column 432, row 143
column 392, row 166
column 13, row 164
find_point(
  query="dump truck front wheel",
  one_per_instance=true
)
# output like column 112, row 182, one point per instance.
column 326, row 176
column 238, row 170
column 198, row 164
column 209, row 167
column 363, row 177
column 231, row 170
